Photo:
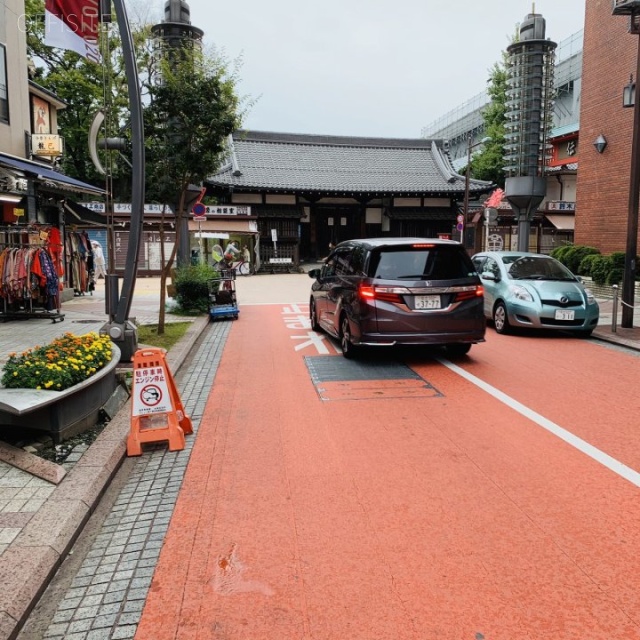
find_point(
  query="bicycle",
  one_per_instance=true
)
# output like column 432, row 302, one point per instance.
column 239, row 266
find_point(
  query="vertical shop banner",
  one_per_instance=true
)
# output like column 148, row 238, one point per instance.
column 73, row 25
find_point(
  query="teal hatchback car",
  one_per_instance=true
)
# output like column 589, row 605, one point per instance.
column 534, row 291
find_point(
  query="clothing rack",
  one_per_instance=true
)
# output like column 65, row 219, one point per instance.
column 80, row 267
column 29, row 283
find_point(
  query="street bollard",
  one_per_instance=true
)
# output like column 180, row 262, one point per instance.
column 614, row 315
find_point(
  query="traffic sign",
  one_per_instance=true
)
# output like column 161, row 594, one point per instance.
column 460, row 218
column 199, row 209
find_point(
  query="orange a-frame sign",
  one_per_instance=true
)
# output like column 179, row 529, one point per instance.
column 157, row 413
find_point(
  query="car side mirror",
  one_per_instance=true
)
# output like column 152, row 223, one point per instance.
column 487, row 275
column 314, row 273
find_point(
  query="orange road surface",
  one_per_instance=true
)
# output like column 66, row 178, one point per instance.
column 425, row 508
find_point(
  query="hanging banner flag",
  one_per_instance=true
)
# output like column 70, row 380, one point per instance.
column 73, row 25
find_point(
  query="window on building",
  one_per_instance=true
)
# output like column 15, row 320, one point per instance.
column 4, row 92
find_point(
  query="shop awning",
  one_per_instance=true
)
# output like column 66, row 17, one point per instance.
column 220, row 235
column 48, row 175
column 237, row 224
column 77, row 214
column 563, row 223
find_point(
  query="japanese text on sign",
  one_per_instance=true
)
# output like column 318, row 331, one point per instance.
column 150, row 392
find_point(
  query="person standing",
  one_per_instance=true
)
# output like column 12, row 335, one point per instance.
column 98, row 260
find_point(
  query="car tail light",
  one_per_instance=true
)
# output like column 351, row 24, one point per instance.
column 467, row 293
column 422, row 246
column 366, row 293
column 386, row 294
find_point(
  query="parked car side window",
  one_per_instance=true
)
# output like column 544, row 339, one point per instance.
column 343, row 262
column 329, row 268
column 357, row 261
column 491, row 266
column 478, row 263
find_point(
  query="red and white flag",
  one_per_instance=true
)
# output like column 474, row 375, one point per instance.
column 73, row 25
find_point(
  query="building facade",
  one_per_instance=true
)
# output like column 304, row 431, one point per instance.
column 308, row 192
column 603, row 180
column 35, row 197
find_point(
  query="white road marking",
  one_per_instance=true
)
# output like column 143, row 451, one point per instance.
column 599, row 456
column 312, row 340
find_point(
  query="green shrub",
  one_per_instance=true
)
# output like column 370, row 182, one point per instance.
column 571, row 256
column 600, row 267
column 559, row 252
column 616, row 268
column 586, row 264
column 578, row 256
column 192, row 287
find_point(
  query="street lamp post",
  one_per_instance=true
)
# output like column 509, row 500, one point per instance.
column 631, row 8
column 470, row 146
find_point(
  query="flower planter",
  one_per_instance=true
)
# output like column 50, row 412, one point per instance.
column 62, row 414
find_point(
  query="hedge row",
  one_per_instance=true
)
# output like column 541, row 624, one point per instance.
column 588, row 261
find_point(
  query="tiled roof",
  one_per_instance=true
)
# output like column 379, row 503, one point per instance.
column 340, row 164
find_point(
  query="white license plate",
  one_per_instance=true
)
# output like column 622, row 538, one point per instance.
column 563, row 314
column 427, row 302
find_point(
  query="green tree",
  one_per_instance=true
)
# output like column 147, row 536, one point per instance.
column 489, row 163
column 191, row 112
column 190, row 108
column 85, row 87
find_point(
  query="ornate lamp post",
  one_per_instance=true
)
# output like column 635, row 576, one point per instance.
column 631, row 8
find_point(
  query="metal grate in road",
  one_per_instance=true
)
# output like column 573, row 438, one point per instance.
column 325, row 369
column 337, row 378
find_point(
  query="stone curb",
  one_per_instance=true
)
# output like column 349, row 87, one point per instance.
column 32, row 559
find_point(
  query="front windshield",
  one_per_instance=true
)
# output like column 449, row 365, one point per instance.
column 536, row 268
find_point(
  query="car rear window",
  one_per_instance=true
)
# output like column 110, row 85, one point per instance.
column 438, row 262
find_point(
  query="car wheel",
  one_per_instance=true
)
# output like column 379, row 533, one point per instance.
column 501, row 319
column 457, row 350
column 347, row 347
column 312, row 316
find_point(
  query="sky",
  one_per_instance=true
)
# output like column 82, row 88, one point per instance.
column 382, row 68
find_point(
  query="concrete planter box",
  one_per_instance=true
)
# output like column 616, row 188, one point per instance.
column 605, row 290
column 62, row 414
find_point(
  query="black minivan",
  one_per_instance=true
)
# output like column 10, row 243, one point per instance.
column 398, row 291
